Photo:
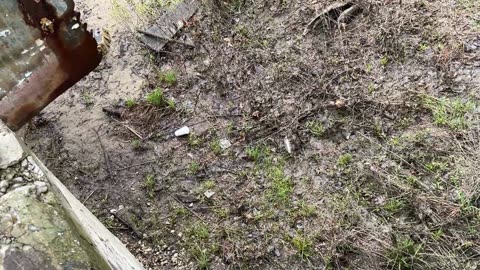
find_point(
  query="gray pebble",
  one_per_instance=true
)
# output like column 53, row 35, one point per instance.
column 41, row 190
column 17, row 185
column 17, row 180
column 4, row 184
column 24, row 163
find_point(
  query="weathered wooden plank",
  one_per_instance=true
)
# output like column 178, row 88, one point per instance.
column 57, row 223
column 169, row 23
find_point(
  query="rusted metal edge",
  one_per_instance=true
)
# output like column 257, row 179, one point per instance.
column 44, row 50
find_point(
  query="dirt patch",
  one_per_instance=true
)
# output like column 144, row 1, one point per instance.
column 379, row 114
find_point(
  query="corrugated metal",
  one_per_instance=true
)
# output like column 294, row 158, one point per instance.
column 44, row 50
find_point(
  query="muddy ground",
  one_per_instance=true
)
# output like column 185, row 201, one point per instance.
column 354, row 146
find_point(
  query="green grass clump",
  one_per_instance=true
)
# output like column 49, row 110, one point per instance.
column 258, row 153
column 281, row 185
column 169, row 77
column 404, row 255
column 136, row 145
column 315, row 128
column 199, row 231
column 130, row 103
column 344, row 160
column 209, row 184
column 451, row 113
column 216, row 147
column 150, row 184
column 156, row 97
column 194, row 168
column 394, row 206
column 303, row 245
column 194, row 140
column 306, row 210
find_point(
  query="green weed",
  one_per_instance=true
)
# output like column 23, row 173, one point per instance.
column 306, row 210
column 393, row 206
column 303, row 245
column 180, row 212
column 436, row 166
column 316, row 128
column 136, row 144
column 198, row 231
column 209, row 184
column 368, row 68
column 150, row 185
column 194, row 167
column 403, row 255
column 258, row 153
column 171, row 104
column 194, row 140
column 437, row 235
column 87, row 99
column 156, row 97
column 281, row 185
column 452, row 113
column 384, row 60
column 169, row 77
column 344, row 160
column 216, row 147
column 130, row 103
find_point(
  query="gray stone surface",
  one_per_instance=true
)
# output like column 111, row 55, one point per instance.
column 34, row 231
column 10, row 151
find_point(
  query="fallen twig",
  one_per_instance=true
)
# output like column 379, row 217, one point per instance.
column 105, row 154
column 137, row 165
column 89, row 195
column 136, row 133
column 130, row 226
column 190, row 210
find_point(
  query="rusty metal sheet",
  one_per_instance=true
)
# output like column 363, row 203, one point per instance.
column 44, row 50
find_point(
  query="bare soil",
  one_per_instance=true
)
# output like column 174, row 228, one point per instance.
column 352, row 147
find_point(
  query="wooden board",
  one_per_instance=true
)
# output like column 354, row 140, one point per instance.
column 169, row 23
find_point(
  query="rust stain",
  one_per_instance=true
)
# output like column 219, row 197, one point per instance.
column 47, row 51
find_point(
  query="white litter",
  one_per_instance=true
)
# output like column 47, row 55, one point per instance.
column 182, row 132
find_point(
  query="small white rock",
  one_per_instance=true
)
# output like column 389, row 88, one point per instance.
column 225, row 144
column 288, row 145
column 17, row 180
column 182, row 132
column 209, row 194
column 3, row 184
column 41, row 190
column 24, row 163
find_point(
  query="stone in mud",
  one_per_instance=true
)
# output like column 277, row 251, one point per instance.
column 10, row 150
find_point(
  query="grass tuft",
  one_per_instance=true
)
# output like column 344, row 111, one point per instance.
column 452, row 113
column 156, row 97
column 168, row 77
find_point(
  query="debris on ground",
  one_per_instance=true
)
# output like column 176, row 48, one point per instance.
column 182, row 131
column 381, row 117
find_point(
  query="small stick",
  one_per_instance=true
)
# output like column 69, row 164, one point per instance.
column 136, row 133
column 130, row 226
column 137, row 165
column 190, row 210
column 89, row 195
column 105, row 155
column 165, row 38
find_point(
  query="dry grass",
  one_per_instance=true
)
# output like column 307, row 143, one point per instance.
column 380, row 177
column 396, row 192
